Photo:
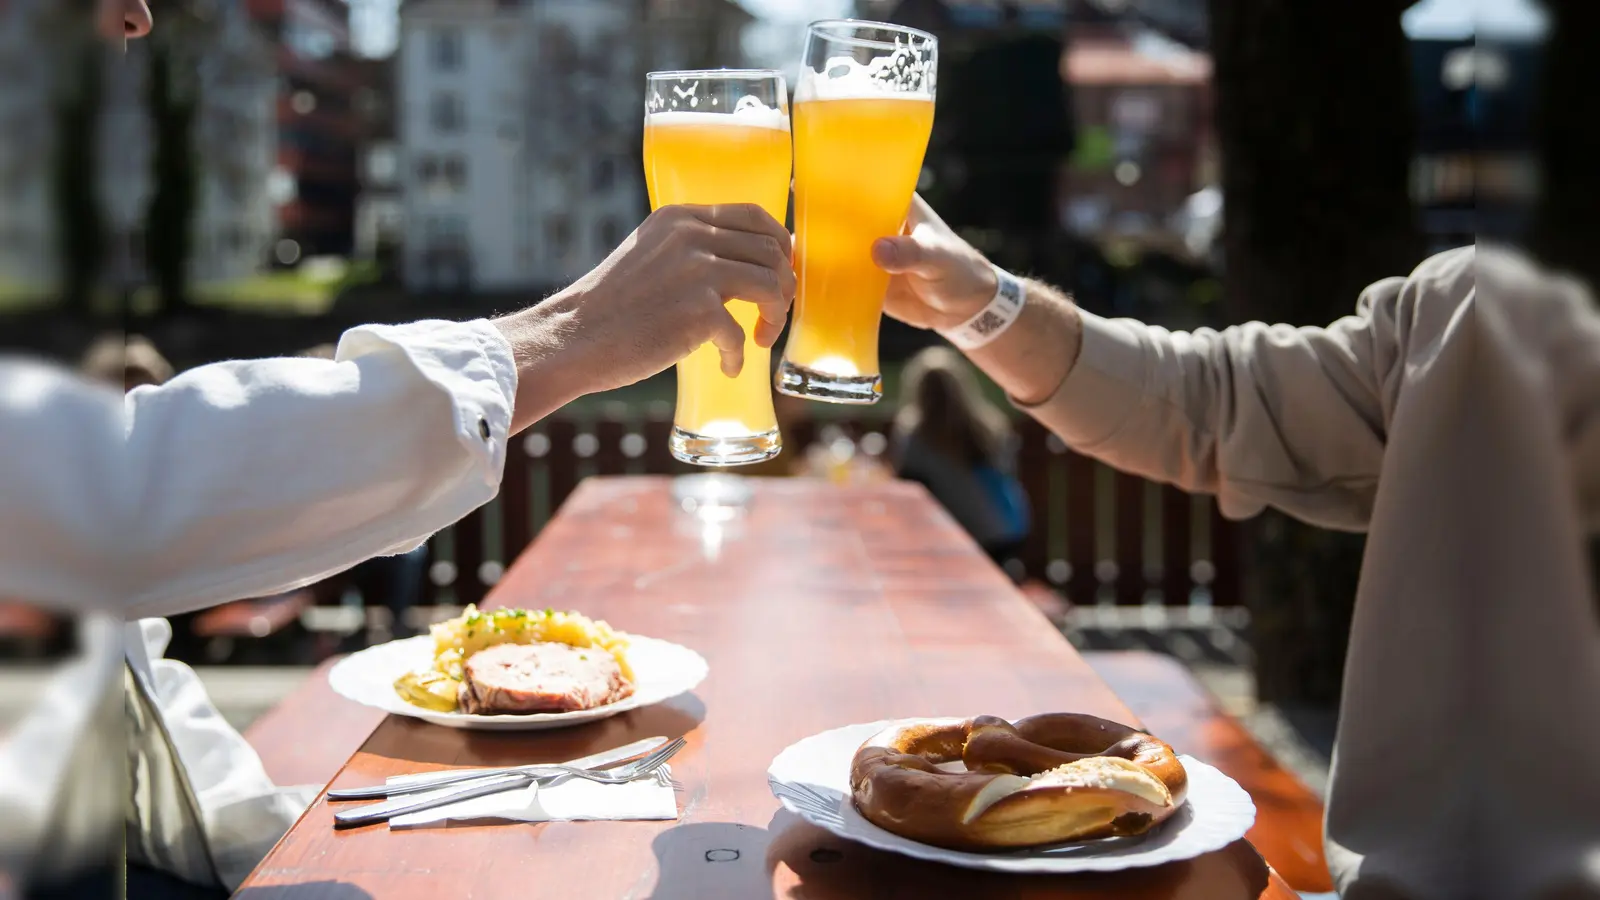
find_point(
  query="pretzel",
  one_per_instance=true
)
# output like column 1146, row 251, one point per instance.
column 1046, row 779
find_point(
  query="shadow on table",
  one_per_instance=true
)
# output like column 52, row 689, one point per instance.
column 826, row 865
column 726, row 859
column 416, row 741
column 311, row 890
column 712, row 859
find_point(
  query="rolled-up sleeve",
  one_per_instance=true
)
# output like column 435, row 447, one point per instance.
column 1258, row 414
column 248, row 478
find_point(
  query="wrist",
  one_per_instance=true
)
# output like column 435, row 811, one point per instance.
column 983, row 281
column 989, row 322
column 546, row 348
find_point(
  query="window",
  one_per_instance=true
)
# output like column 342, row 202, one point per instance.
column 442, row 174
column 455, row 173
column 610, row 234
column 558, row 234
column 447, row 50
column 446, row 230
column 449, row 114
column 604, row 173
column 427, row 170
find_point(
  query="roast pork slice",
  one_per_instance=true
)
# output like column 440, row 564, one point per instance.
column 540, row 678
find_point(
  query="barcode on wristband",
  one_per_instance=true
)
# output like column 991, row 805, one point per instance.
column 993, row 319
column 988, row 323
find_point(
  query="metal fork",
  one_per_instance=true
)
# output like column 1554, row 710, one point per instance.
column 378, row 812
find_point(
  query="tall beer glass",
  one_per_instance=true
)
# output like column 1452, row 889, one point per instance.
column 863, row 111
column 721, row 137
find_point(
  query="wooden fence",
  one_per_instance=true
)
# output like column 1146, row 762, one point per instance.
column 1099, row 536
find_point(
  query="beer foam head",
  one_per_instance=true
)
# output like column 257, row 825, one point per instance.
column 908, row 72
column 751, row 114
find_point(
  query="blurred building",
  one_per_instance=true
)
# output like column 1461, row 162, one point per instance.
column 1476, row 171
column 315, row 181
column 519, row 126
column 234, row 132
column 380, row 208
column 1146, row 144
column 1105, row 117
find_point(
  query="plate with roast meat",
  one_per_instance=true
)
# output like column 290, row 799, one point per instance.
column 517, row 669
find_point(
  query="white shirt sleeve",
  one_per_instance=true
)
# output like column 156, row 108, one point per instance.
column 243, row 479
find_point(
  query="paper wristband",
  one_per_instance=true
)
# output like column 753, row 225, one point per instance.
column 994, row 319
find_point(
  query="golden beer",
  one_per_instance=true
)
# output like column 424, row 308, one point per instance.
column 739, row 155
column 859, row 140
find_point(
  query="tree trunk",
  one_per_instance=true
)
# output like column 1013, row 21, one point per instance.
column 80, row 225
column 1566, row 222
column 1315, row 121
column 170, row 218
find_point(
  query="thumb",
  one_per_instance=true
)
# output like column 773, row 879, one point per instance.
column 904, row 255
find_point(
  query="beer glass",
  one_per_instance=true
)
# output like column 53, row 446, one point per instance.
column 721, row 137
column 862, row 113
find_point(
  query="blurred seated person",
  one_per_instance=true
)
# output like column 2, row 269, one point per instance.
column 955, row 442
column 127, row 361
column 797, row 425
column 393, row 582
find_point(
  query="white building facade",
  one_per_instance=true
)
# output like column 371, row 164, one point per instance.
column 235, row 138
column 518, row 127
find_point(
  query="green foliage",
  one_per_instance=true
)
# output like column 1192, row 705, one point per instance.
column 1096, row 152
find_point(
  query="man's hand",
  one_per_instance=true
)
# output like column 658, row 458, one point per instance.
column 653, row 301
column 939, row 280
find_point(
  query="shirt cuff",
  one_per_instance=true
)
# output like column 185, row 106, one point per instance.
column 1103, row 390
column 471, row 362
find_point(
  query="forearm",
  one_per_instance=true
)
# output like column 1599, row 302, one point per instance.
column 1033, row 357
column 246, row 478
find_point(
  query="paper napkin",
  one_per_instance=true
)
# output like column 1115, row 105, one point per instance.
column 572, row 800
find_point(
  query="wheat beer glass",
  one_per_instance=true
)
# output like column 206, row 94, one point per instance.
column 721, row 137
column 862, row 113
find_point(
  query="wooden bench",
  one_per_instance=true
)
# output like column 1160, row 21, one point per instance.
column 257, row 618
column 1177, row 708
column 306, row 738
column 26, row 630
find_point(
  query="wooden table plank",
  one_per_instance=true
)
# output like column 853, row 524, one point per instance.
column 308, row 736
column 822, row 607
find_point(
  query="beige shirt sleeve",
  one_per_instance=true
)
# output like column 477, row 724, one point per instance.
column 1260, row 415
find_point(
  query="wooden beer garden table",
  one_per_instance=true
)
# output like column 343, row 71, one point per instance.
column 823, row 606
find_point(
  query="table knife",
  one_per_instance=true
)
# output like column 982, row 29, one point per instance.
column 427, row 781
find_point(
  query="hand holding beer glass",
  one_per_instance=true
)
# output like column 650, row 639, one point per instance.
column 863, row 111
column 713, row 137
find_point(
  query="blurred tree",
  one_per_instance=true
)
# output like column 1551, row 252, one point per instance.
column 1007, row 114
column 80, row 222
column 173, row 97
column 1315, row 121
column 1566, row 230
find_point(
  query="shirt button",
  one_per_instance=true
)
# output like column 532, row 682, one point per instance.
column 483, row 427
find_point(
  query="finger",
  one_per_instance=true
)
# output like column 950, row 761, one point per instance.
column 748, row 217
column 906, row 254
column 771, row 291
column 750, row 247
column 920, row 212
column 729, row 340
column 767, row 333
column 902, row 303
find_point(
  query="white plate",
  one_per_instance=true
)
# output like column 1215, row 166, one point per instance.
column 811, row 778
column 660, row 670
